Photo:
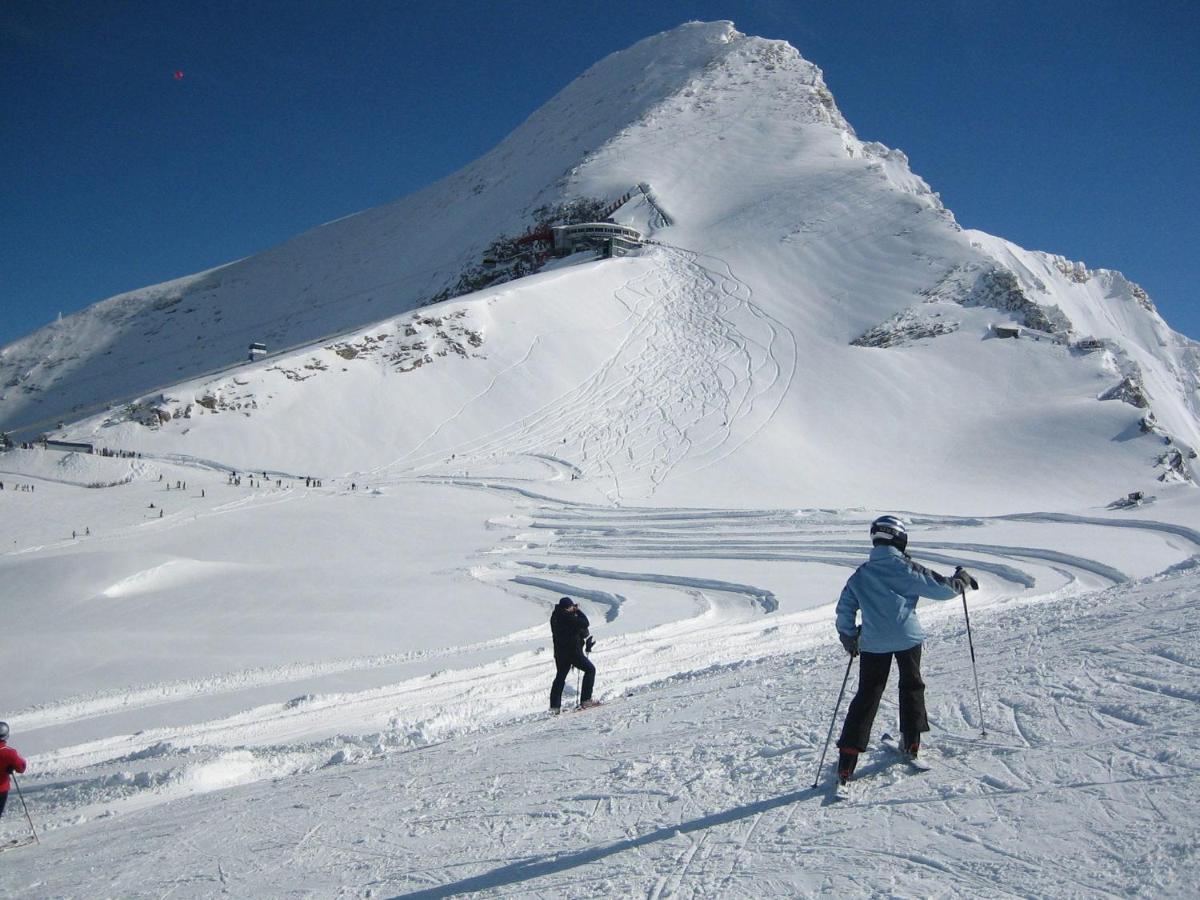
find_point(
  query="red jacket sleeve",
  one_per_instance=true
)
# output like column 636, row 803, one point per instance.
column 10, row 758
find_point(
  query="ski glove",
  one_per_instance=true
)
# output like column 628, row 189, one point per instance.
column 965, row 579
column 850, row 642
column 591, row 642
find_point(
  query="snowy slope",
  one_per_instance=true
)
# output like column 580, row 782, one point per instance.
column 1085, row 785
column 293, row 638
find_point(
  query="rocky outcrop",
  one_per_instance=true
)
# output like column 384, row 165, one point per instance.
column 419, row 340
column 905, row 328
column 1130, row 390
column 1074, row 271
column 1176, row 465
column 997, row 288
column 402, row 345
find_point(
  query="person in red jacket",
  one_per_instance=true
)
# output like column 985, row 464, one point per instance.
column 10, row 761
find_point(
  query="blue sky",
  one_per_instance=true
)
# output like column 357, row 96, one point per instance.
column 1064, row 126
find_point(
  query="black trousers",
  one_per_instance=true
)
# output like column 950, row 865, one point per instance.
column 3, row 801
column 873, row 669
column 565, row 664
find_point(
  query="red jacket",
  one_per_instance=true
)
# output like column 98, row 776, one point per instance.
column 10, row 759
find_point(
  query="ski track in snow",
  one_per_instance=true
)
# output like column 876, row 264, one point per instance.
column 677, row 819
column 701, row 370
column 698, row 785
column 732, row 623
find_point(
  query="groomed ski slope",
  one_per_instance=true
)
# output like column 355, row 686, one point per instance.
column 236, row 668
column 699, row 786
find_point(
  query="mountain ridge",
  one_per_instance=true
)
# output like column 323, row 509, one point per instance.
column 792, row 240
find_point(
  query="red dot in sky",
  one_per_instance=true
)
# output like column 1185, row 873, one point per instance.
column 179, row 74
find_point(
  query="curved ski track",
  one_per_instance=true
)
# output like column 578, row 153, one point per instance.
column 701, row 787
column 702, row 369
column 700, row 372
column 732, row 623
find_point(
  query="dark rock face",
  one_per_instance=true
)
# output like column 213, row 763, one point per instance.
column 997, row 288
column 1130, row 391
column 904, row 328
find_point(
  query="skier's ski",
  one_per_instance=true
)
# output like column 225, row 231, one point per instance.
column 916, row 763
column 591, row 704
column 14, row 844
column 842, row 791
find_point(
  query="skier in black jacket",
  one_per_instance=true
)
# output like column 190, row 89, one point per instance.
column 569, row 626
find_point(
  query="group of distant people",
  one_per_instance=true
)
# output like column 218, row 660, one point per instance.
column 11, row 761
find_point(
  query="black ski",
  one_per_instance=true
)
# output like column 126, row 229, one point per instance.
column 595, row 704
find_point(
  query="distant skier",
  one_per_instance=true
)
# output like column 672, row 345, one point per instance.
column 569, row 626
column 885, row 590
column 10, row 761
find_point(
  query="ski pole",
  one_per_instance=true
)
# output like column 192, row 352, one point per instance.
column 974, row 670
column 832, row 722
column 36, row 839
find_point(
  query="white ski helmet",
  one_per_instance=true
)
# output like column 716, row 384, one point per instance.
column 889, row 530
column 3, row 731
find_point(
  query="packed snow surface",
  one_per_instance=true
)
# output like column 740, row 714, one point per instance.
column 287, row 632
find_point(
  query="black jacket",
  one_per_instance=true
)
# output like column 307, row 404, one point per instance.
column 570, row 630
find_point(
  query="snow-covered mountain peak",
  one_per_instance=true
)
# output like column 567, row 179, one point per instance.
column 639, row 115
column 792, row 275
column 686, row 61
column 686, row 81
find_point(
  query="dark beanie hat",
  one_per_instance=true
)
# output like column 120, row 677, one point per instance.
column 564, row 602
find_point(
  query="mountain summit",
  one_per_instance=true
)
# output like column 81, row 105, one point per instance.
column 803, row 303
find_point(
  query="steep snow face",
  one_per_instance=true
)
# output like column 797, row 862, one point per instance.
column 347, row 273
column 806, row 306
column 1106, row 307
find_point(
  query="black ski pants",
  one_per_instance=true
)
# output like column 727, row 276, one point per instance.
column 873, row 669
column 565, row 664
column 3, row 801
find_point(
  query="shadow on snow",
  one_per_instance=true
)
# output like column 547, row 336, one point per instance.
column 539, row 866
